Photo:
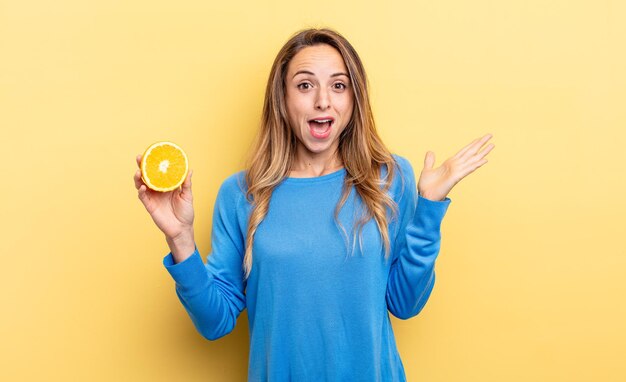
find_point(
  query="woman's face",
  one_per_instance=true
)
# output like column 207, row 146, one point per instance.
column 319, row 99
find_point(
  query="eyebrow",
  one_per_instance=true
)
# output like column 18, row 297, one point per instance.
column 311, row 73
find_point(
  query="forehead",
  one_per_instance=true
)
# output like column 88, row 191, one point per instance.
column 319, row 59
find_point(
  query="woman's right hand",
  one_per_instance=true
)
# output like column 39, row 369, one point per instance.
column 172, row 211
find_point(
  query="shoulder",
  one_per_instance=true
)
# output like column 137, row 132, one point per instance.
column 403, row 177
column 403, row 164
column 403, row 170
column 235, row 182
column 233, row 188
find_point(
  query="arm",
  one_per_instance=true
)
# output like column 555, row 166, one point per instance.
column 416, row 247
column 213, row 294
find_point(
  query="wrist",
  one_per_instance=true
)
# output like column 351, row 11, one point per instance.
column 182, row 237
column 182, row 246
column 431, row 197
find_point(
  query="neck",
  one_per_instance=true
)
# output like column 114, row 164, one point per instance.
column 308, row 164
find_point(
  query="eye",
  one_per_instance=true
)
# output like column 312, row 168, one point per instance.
column 340, row 86
column 304, row 86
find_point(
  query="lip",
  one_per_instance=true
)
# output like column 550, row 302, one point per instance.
column 323, row 135
column 332, row 120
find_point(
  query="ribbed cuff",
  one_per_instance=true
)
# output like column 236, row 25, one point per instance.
column 190, row 274
column 430, row 213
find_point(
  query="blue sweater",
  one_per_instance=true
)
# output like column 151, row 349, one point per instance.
column 315, row 313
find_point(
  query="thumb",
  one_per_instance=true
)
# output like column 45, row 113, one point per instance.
column 429, row 160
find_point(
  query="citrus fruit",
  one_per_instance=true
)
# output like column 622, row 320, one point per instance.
column 164, row 166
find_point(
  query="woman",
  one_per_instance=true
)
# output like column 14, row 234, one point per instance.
column 285, row 230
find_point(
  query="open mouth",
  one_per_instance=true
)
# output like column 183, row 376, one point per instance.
column 320, row 128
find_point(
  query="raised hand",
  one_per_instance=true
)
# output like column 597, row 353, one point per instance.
column 171, row 211
column 436, row 183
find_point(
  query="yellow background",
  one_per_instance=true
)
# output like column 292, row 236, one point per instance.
column 531, row 275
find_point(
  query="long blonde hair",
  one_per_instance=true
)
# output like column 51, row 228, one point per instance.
column 360, row 148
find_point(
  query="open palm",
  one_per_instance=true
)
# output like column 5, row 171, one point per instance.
column 436, row 183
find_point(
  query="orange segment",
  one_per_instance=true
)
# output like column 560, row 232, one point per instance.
column 164, row 166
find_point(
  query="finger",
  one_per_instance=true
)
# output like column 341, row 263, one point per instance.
column 485, row 151
column 479, row 164
column 143, row 194
column 138, row 180
column 464, row 149
column 471, row 163
column 429, row 160
column 138, row 158
column 473, row 148
column 470, row 168
column 186, row 188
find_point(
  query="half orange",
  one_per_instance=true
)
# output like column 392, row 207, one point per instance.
column 164, row 166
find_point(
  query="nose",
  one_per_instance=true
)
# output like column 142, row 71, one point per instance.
column 322, row 102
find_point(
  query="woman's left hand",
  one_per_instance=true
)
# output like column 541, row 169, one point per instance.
column 436, row 183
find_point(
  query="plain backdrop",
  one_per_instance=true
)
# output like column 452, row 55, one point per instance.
column 530, row 278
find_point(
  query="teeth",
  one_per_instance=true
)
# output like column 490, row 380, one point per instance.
column 322, row 120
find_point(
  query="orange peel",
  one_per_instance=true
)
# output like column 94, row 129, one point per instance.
column 164, row 166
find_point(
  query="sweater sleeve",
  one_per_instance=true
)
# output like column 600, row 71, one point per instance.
column 416, row 247
column 213, row 294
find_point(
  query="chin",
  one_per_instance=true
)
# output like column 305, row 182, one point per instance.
column 317, row 149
